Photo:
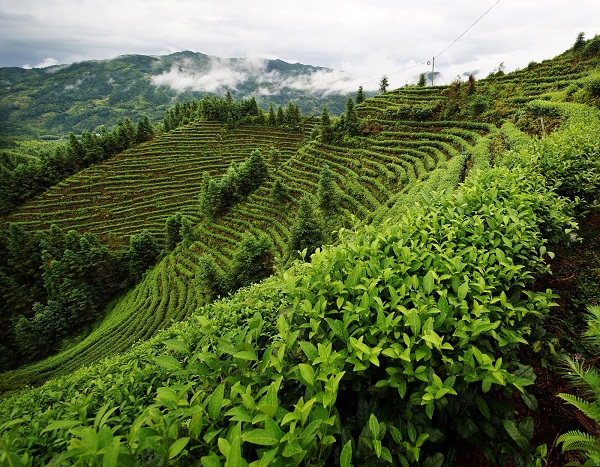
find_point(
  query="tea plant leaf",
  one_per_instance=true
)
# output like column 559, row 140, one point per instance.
column 215, row 400
column 463, row 290
column 168, row 362
column 61, row 425
column 178, row 446
column 346, row 455
column 260, row 437
column 513, row 431
column 177, row 345
column 429, row 282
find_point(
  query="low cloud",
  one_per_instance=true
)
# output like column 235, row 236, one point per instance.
column 218, row 75
column 187, row 75
column 47, row 62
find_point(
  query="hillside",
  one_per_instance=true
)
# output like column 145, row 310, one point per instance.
column 82, row 96
column 410, row 341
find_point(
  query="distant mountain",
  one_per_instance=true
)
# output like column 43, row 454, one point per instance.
column 82, row 96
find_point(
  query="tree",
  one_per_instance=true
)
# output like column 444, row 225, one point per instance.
column 209, row 279
column 422, row 80
column 327, row 132
column 579, row 42
column 173, row 226
column 327, row 191
column 279, row 192
column 280, row 116
column 383, row 84
column 307, row 231
column 352, row 121
column 272, row 119
column 144, row 131
column 143, row 253
column 252, row 261
column 251, row 173
column 360, row 96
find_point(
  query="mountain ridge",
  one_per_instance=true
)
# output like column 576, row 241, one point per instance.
column 83, row 96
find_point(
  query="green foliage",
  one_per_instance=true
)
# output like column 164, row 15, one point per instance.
column 422, row 80
column 143, row 253
column 395, row 344
column 383, row 84
column 252, row 262
column 568, row 157
column 240, row 180
column 327, row 133
column 30, row 178
column 587, row 383
column 307, row 232
column 173, row 234
column 279, row 193
column 360, row 95
column 327, row 192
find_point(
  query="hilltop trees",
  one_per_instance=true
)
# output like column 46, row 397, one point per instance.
column 218, row 195
column 252, row 261
column 173, row 226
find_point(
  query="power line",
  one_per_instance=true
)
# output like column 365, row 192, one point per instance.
column 467, row 30
column 427, row 62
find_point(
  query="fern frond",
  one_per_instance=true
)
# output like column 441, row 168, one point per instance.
column 586, row 381
column 593, row 322
column 578, row 440
column 589, row 409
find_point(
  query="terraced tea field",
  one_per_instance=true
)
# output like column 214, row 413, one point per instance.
column 142, row 187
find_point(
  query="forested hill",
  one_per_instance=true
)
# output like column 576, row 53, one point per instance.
column 56, row 100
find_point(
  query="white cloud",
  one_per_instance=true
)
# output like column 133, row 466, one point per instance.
column 364, row 39
column 47, row 62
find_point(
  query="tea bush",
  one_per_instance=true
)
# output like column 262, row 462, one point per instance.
column 388, row 348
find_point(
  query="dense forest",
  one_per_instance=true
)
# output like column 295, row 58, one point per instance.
column 410, row 280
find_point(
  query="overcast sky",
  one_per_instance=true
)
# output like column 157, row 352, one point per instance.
column 364, row 39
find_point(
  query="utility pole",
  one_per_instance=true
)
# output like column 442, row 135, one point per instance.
column 432, row 63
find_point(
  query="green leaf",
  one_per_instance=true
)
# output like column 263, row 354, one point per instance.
column 61, row 425
column 483, row 407
column 530, row 400
column 178, row 446
column 260, row 437
column 245, row 355
column 176, row 345
column 291, row 448
column 374, row 426
column 346, row 455
column 515, row 434
column 435, row 460
column 215, row 400
column 234, row 456
column 212, row 460
column 429, row 282
column 309, row 350
column 307, row 374
column 463, row 290
column 167, row 361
